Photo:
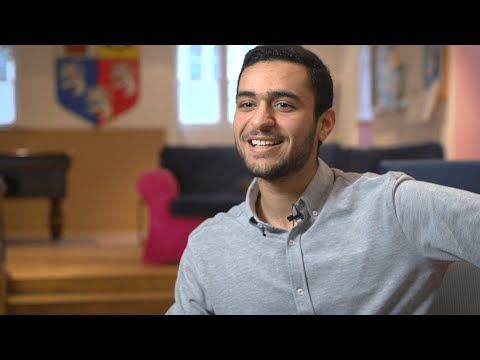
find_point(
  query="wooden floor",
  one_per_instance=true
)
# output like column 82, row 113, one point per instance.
column 45, row 278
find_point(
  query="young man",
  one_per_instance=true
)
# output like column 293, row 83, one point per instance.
column 310, row 239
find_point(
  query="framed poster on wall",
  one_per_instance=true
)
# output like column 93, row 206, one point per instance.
column 388, row 78
column 435, row 66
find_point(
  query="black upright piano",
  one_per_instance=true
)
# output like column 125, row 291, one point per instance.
column 37, row 174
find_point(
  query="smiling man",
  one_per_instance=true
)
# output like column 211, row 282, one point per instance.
column 310, row 239
column 278, row 128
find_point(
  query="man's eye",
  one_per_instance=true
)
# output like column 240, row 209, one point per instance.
column 283, row 105
column 246, row 104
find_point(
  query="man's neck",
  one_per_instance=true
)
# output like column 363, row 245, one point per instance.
column 274, row 203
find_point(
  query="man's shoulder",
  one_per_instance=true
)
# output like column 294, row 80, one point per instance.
column 222, row 221
column 388, row 180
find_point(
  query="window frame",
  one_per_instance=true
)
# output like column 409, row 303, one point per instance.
column 9, row 125
column 217, row 133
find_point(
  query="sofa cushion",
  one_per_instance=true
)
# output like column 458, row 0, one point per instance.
column 463, row 175
column 419, row 151
column 204, row 204
column 333, row 155
column 206, row 170
column 368, row 160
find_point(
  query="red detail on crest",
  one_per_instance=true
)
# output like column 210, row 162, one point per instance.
column 120, row 78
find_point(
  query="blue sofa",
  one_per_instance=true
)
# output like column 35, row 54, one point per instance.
column 368, row 160
column 212, row 179
column 193, row 183
column 460, row 290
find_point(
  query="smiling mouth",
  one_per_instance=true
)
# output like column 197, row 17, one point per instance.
column 258, row 143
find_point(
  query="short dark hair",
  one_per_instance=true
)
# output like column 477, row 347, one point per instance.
column 318, row 73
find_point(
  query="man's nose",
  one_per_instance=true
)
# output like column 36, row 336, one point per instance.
column 263, row 117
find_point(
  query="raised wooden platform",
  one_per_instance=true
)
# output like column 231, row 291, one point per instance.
column 74, row 279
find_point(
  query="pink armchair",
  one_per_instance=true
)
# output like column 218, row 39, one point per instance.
column 167, row 235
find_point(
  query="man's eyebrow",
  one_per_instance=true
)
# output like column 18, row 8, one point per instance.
column 271, row 94
column 245, row 94
column 283, row 93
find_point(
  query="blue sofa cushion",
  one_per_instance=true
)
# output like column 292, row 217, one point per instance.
column 368, row 160
column 334, row 155
column 206, row 170
column 463, row 175
column 204, row 204
column 213, row 179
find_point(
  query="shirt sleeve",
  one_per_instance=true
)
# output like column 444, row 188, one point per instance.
column 443, row 221
column 189, row 294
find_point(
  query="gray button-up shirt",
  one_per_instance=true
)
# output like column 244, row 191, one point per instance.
column 367, row 244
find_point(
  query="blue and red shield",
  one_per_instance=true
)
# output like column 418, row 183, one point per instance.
column 98, row 82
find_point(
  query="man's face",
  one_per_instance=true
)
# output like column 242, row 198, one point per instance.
column 275, row 130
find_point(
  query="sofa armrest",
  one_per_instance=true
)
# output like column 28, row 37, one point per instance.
column 461, row 174
column 158, row 184
column 167, row 235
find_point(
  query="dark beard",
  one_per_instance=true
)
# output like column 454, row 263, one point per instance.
column 286, row 166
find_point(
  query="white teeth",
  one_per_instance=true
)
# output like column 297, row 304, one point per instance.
column 264, row 142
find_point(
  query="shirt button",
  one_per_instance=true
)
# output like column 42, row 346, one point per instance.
column 314, row 212
column 291, row 242
column 300, row 292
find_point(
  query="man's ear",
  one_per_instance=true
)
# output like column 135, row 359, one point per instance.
column 326, row 124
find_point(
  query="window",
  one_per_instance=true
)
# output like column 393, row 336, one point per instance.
column 365, row 110
column 235, row 55
column 364, row 105
column 7, row 85
column 207, row 82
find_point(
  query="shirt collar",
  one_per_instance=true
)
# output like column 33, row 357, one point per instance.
column 309, row 203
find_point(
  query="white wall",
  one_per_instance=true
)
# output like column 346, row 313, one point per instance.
column 38, row 107
column 464, row 114
column 389, row 129
column 222, row 134
column 156, row 107
column 346, row 128
column 405, row 127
